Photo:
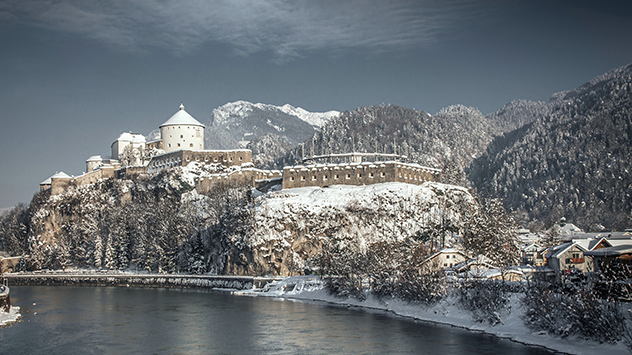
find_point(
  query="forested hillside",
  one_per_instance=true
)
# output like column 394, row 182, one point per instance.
column 573, row 161
column 456, row 134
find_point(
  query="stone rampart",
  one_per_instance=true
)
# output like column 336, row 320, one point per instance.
column 247, row 176
column 184, row 157
column 366, row 173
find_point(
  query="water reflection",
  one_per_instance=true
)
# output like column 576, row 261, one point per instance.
column 128, row 320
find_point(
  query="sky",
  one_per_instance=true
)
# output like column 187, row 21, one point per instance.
column 74, row 75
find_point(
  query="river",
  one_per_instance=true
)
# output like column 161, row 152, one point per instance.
column 117, row 320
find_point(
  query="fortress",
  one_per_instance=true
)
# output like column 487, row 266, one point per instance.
column 181, row 143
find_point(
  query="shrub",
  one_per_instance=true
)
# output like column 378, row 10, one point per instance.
column 485, row 299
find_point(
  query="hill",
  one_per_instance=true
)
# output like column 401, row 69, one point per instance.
column 572, row 160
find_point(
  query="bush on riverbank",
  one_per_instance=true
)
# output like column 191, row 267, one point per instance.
column 486, row 300
column 563, row 310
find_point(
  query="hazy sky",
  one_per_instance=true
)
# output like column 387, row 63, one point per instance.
column 75, row 74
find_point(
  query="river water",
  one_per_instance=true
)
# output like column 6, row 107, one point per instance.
column 110, row 320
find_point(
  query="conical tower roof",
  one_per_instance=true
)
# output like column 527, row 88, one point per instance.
column 182, row 118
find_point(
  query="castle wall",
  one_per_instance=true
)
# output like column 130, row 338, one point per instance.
column 356, row 174
column 249, row 176
column 59, row 185
column 184, row 157
column 104, row 172
column 130, row 172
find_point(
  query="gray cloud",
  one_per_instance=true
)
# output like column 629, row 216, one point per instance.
column 285, row 28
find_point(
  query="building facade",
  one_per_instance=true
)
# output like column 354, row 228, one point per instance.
column 182, row 131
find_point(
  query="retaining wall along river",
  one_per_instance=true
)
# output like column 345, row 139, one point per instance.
column 141, row 280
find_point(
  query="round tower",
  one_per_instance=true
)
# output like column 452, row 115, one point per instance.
column 182, row 132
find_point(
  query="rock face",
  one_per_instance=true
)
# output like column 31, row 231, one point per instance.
column 291, row 226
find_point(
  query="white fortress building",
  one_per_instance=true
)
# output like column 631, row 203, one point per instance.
column 182, row 131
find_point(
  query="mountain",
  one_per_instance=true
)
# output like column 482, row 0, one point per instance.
column 457, row 134
column 573, row 160
column 235, row 124
column 516, row 114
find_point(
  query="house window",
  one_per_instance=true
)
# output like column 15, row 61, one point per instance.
column 169, row 145
column 447, row 256
column 191, row 145
column 178, row 144
column 181, row 136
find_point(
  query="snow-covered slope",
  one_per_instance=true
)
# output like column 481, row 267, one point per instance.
column 291, row 225
column 244, row 122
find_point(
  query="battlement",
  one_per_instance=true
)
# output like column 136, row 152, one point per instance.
column 366, row 173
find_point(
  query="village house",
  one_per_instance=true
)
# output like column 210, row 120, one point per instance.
column 444, row 258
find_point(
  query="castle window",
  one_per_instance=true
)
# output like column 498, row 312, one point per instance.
column 383, row 174
column 371, row 175
column 240, row 158
column 291, row 178
column 169, row 145
column 325, row 178
column 314, row 178
column 191, row 145
column 336, row 177
column 360, row 176
column 348, row 176
column 181, row 136
column 178, row 144
column 302, row 178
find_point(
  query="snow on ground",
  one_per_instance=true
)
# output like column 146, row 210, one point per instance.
column 10, row 317
column 311, row 289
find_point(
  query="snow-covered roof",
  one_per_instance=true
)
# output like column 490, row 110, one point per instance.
column 612, row 251
column 95, row 158
column 57, row 175
column 445, row 251
column 182, row 118
column 131, row 137
column 558, row 250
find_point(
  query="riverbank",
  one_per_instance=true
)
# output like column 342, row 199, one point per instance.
column 310, row 289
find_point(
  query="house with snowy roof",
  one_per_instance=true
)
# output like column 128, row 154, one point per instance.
column 568, row 257
column 444, row 258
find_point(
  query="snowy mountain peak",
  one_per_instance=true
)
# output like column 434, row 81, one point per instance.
column 228, row 113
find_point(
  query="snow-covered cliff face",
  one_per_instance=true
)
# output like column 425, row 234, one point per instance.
column 235, row 124
column 291, row 225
